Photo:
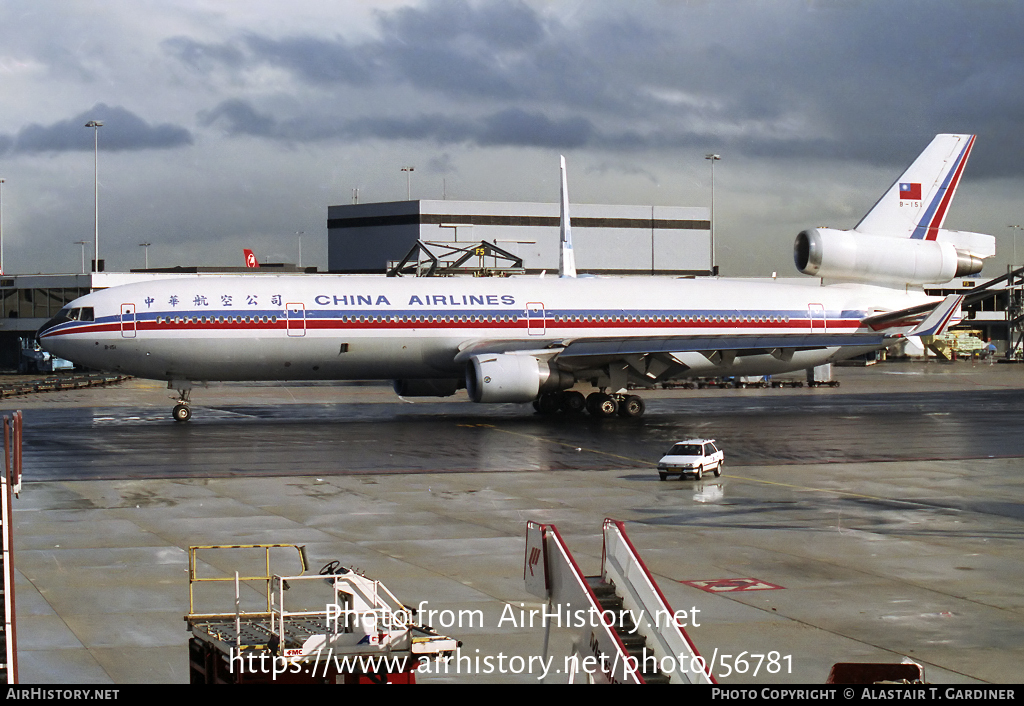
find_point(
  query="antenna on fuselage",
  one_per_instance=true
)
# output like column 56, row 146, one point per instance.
column 566, row 257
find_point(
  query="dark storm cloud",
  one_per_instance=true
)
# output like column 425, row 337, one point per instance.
column 204, row 56
column 866, row 81
column 316, row 60
column 519, row 127
column 503, row 128
column 447, row 45
column 237, row 117
column 872, row 80
column 122, row 130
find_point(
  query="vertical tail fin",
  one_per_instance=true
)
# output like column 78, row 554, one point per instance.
column 250, row 258
column 915, row 206
column 566, row 257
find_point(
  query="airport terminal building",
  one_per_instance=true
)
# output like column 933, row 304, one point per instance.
column 607, row 240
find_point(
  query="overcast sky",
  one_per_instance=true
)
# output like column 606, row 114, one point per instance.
column 236, row 123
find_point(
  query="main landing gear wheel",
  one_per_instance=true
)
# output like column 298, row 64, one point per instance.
column 632, row 406
column 598, row 404
column 573, row 402
column 548, row 403
column 601, row 404
column 570, row 402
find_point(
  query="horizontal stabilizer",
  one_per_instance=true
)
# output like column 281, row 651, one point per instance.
column 978, row 245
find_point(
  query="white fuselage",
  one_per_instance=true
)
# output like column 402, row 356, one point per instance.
column 336, row 327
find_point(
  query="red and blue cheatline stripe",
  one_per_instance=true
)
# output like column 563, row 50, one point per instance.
column 935, row 214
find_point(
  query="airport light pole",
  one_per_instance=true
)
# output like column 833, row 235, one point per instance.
column 408, row 182
column 146, row 246
column 300, row 233
column 713, row 158
column 96, row 125
column 83, row 243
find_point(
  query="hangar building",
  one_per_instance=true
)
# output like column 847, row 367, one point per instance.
column 622, row 240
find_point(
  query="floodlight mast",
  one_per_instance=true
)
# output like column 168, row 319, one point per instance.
column 713, row 158
column 96, row 125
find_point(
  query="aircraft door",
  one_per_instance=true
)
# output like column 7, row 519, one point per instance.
column 535, row 319
column 295, row 319
column 816, row 318
column 127, row 321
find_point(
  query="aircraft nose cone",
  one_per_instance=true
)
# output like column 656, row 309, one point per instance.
column 50, row 325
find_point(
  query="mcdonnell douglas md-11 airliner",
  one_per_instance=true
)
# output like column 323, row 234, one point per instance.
column 532, row 339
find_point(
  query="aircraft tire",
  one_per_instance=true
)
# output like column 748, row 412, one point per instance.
column 549, row 403
column 633, row 406
column 600, row 404
column 573, row 402
column 181, row 413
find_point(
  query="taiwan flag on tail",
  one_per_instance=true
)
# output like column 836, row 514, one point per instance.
column 910, row 192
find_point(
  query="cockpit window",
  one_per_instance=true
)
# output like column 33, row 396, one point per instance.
column 83, row 314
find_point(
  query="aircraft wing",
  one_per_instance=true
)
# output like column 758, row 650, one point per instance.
column 662, row 357
column 749, row 344
column 566, row 349
column 657, row 358
column 939, row 316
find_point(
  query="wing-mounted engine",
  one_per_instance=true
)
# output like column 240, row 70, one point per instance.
column 851, row 256
column 505, row 377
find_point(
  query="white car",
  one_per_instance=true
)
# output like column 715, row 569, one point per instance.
column 692, row 457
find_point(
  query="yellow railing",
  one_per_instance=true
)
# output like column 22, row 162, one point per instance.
column 194, row 579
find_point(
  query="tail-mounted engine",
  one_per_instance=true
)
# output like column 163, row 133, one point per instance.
column 503, row 377
column 850, row 256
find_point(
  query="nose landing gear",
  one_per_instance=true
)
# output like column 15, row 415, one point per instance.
column 182, row 412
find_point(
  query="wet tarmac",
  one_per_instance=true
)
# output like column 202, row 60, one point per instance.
column 889, row 511
column 284, row 437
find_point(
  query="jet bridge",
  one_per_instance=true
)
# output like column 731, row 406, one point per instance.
column 429, row 258
column 630, row 635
